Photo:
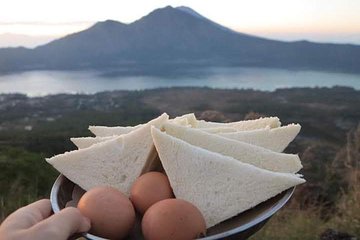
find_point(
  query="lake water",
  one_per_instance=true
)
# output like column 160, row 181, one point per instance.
column 37, row 83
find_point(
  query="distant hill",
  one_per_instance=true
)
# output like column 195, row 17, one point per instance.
column 174, row 37
column 16, row 40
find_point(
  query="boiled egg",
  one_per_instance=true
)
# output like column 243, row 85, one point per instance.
column 173, row 219
column 148, row 189
column 110, row 212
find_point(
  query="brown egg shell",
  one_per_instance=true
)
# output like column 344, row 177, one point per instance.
column 149, row 189
column 111, row 213
column 174, row 219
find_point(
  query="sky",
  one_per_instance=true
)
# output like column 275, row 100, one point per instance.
column 30, row 23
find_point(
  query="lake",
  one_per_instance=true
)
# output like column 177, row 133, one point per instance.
column 38, row 83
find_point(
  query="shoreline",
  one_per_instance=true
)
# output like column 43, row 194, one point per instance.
column 2, row 94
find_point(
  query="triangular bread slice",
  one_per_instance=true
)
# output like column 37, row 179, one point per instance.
column 244, row 152
column 219, row 186
column 217, row 130
column 190, row 118
column 104, row 131
column 245, row 125
column 85, row 142
column 275, row 139
column 117, row 162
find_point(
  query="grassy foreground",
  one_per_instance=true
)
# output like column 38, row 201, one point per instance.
column 301, row 224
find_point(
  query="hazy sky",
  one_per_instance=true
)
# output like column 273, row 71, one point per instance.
column 318, row 20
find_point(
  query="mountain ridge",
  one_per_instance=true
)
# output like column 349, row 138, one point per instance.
column 175, row 36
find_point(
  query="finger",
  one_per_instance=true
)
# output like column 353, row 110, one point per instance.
column 62, row 225
column 29, row 215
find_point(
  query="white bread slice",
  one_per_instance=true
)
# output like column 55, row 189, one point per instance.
column 217, row 130
column 113, row 132
column 275, row 139
column 85, row 142
column 103, row 131
column 219, row 186
column 244, row 152
column 190, row 117
column 117, row 162
column 246, row 125
column 180, row 121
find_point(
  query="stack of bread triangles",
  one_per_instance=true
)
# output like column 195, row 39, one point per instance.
column 221, row 168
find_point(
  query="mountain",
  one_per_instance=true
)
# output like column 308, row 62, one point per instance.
column 196, row 14
column 173, row 38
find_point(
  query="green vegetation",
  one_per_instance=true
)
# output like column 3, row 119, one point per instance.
column 340, row 212
column 24, row 177
column 329, row 143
